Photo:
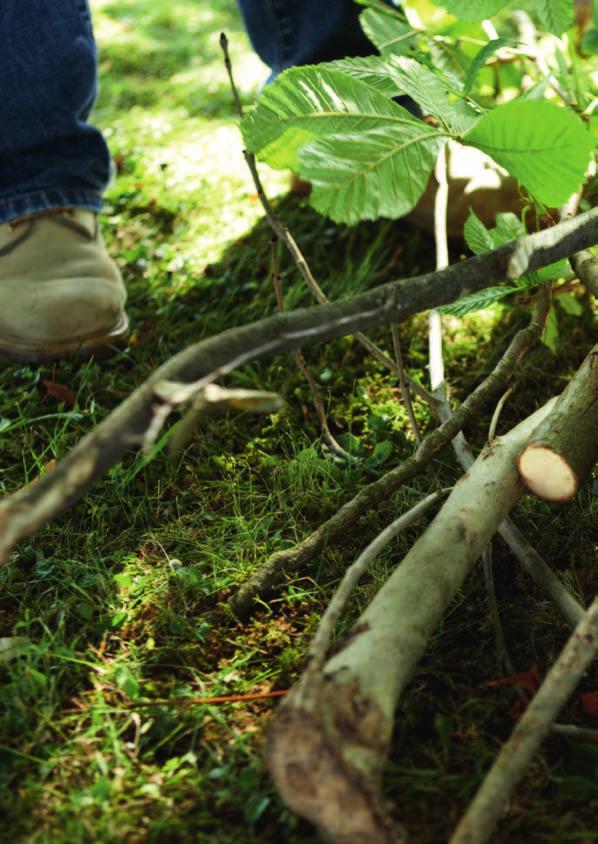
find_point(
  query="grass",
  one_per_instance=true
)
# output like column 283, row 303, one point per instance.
column 112, row 596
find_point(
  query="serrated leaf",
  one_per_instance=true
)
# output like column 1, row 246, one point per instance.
column 372, row 70
column 305, row 103
column 556, row 16
column 477, row 237
column 481, row 299
column 546, row 148
column 473, row 12
column 387, row 32
column 379, row 174
column 432, row 94
column 482, row 56
column 589, row 42
column 550, row 335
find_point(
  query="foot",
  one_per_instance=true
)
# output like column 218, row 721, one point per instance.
column 60, row 292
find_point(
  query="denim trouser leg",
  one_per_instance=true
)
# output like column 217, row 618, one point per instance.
column 285, row 33
column 49, row 156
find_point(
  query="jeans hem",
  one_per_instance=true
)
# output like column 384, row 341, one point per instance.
column 43, row 200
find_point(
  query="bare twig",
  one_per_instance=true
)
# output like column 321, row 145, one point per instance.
column 585, row 266
column 328, row 744
column 493, row 797
column 396, row 342
column 282, row 232
column 321, row 641
column 496, row 415
column 436, row 362
column 501, row 643
column 292, row 559
column 202, row 363
column 302, row 366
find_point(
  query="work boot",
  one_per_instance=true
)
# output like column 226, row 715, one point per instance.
column 60, row 292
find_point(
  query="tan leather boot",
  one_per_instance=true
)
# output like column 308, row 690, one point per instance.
column 60, row 292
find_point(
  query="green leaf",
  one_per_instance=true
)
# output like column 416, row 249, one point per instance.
column 472, row 10
column 379, row 174
column 305, row 103
column 125, row 680
column 381, row 453
column 550, row 335
column 546, row 148
column 589, row 42
column 432, row 94
column 387, row 31
column 570, row 304
column 373, row 70
column 482, row 299
column 556, row 16
column 476, row 235
column 255, row 806
column 482, row 57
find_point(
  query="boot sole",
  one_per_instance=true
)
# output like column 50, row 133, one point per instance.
column 99, row 345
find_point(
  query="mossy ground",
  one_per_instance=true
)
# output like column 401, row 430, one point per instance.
column 112, row 595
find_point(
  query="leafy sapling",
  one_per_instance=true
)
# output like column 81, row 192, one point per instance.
column 338, row 124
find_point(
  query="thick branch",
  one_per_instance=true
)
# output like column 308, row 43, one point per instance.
column 563, row 450
column 328, row 745
column 292, row 559
column 492, row 799
column 126, row 427
column 585, row 266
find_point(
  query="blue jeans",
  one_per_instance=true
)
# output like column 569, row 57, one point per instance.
column 50, row 156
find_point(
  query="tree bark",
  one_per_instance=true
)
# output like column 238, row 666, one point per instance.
column 328, row 744
column 564, row 448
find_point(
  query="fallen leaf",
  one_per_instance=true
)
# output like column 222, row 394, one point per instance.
column 528, row 680
column 589, row 703
column 517, row 709
column 60, row 392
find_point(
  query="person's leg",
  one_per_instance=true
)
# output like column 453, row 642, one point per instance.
column 59, row 290
column 49, row 156
column 285, row 33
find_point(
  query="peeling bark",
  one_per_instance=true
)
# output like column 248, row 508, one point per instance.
column 328, row 745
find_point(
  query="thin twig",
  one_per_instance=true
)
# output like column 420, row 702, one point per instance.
column 501, row 643
column 282, row 232
column 494, row 795
column 496, row 415
column 585, row 266
column 192, row 369
column 321, row 641
column 302, row 366
column 292, row 559
column 436, row 362
column 396, row 342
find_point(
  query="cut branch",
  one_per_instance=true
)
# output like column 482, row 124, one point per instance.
column 328, row 745
column 564, row 449
column 493, row 798
column 585, row 266
column 202, row 363
column 292, row 559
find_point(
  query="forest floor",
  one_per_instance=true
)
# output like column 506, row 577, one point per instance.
column 113, row 595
